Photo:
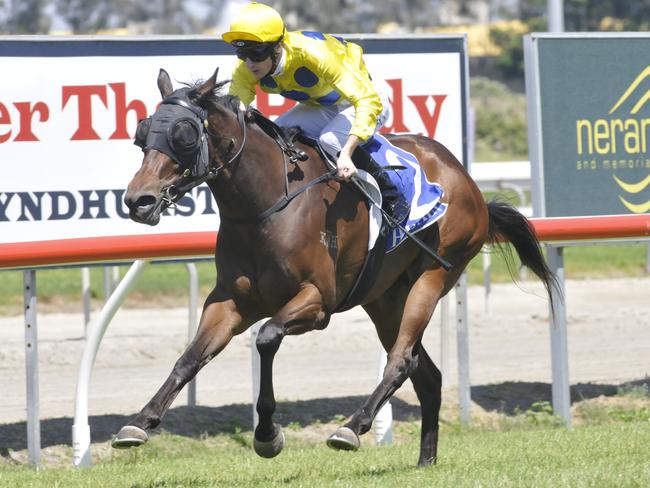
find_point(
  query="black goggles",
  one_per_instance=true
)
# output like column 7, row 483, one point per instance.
column 256, row 53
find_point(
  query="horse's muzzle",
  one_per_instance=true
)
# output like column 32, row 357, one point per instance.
column 144, row 209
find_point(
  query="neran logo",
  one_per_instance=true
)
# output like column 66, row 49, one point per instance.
column 620, row 141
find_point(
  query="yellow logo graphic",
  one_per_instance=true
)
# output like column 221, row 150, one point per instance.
column 646, row 96
column 619, row 141
column 607, row 136
column 634, row 188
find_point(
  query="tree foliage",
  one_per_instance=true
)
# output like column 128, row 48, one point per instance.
column 501, row 125
column 164, row 16
column 86, row 16
column 579, row 15
column 510, row 59
column 89, row 16
column 608, row 15
column 342, row 16
column 24, row 16
column 346, row 16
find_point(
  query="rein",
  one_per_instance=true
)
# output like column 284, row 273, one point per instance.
column 284, row 200
column 171, row 194
column 290, row 152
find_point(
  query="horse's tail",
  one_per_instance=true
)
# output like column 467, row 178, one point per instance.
column 508, row 224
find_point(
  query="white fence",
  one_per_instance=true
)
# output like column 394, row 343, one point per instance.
column 505, row 175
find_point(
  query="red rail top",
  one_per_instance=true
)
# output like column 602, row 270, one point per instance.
column 124, row 248
column 97, row 249
column 582, row 228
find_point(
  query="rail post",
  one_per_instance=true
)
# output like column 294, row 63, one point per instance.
column 445, row 331
column 256, row 364
column 192, row 325
column 81, row 428
column 384, row 418
column 487, row 276
column 31, row 368
column 462, row 334
column 559, row 348
column 85, row 295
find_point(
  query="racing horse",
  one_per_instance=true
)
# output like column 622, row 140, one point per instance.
column 291, row 243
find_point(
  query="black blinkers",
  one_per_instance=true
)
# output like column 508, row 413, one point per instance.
column 177, row 129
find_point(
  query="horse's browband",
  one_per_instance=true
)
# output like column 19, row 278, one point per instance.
column 198, row 111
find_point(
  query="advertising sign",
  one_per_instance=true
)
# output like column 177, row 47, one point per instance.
column 69, row 109
column 589, row 123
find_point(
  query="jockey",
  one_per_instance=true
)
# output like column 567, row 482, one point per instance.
column 338, row 104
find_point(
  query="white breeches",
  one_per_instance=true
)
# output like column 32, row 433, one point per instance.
column 330, row 125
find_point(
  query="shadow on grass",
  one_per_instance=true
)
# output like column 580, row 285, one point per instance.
column 197, row 421
column 510, row 397
column 200, row 420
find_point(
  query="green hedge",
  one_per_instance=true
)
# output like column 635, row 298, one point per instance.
column 501, row 123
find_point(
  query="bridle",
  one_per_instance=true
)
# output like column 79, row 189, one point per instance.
column 172, row 193
column 180, row 129
column 194, row 156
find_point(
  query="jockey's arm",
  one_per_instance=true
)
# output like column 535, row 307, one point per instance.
column 344, row 164
column 242, row 85
column 355, row 86
column 351, row 80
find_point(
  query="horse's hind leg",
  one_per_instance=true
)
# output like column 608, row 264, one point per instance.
column 216, row 328
column 302, row 313
column 427, row 381
column 400, row 333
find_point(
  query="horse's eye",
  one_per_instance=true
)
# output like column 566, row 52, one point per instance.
column 141, row 132
column 185, row 137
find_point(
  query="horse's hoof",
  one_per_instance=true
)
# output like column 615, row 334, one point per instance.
column 344, row 439
column 423, row 463
column 129, row 436
column 269, row 449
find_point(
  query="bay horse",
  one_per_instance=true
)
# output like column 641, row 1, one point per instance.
column 291, row 244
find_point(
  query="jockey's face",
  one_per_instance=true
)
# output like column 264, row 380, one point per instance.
column 259, row 58
column 260, row 68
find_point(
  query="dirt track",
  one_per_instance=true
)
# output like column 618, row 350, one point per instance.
column 609, row 343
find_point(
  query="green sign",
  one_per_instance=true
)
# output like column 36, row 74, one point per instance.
column 589, row 116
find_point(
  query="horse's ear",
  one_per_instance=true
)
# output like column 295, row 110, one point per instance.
column 164, row 83
column 208, row 86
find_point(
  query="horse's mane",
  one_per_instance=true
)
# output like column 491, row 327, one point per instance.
column 216, row 98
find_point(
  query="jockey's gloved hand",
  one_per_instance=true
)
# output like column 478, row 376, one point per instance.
column 345, row 166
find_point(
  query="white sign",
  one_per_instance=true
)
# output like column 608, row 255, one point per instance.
column 67, row 123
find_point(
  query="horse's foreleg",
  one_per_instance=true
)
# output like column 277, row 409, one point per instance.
column 403, row 345
column 216, row 328
column 304, row 312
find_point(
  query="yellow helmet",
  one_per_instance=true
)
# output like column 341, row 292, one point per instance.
column 255, row 22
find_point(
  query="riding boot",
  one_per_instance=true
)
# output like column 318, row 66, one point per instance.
column 393, row 202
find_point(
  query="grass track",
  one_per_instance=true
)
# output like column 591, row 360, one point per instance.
column 604, row 455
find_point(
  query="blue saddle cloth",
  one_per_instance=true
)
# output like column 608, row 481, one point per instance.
column 412, row 183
